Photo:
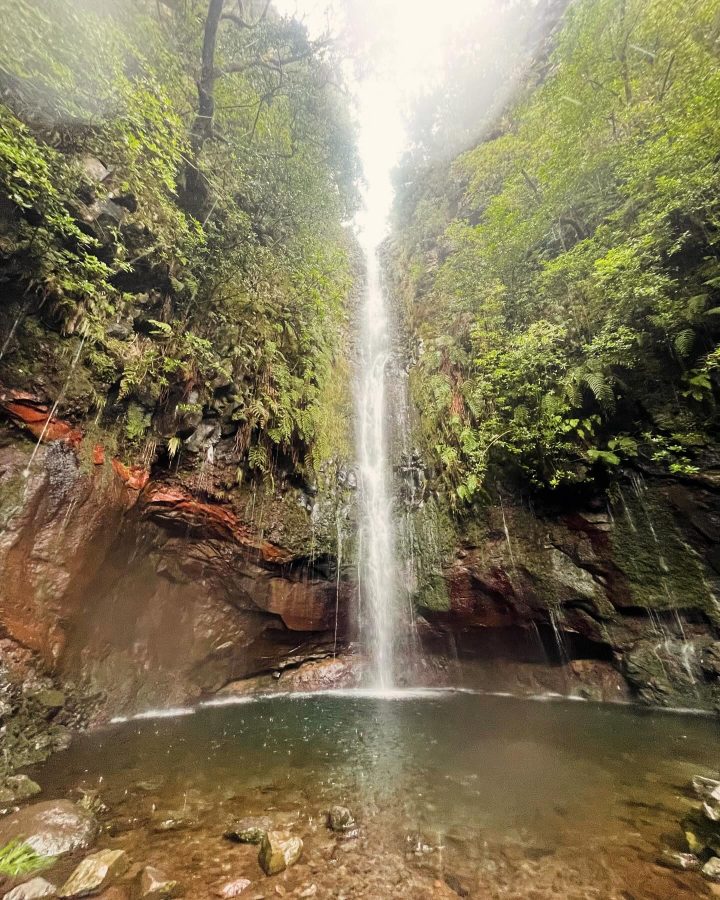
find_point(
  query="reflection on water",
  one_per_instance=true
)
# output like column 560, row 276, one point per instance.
column 455, row 793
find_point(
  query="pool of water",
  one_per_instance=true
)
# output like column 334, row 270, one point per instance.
column 455, row 794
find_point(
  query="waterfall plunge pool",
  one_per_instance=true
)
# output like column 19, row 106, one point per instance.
column 455, row 794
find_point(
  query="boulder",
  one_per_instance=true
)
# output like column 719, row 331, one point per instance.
column 51, row 828
column 278, row 850
column 341, row 820
column 95, row 872
column 35, row 889
column 155, row 884
column 711, row 869
column 250, row 830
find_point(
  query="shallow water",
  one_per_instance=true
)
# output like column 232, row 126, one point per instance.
column 454, row 794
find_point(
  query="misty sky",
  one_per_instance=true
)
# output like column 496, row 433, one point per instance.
column 398, row 49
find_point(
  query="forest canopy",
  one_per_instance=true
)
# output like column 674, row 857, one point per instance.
column 562, row 276
column 174, row 180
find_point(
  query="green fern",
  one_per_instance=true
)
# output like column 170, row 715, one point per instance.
column 684, row 342
column 258, row 459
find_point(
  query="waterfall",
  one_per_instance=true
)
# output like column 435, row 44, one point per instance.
column 378, row 569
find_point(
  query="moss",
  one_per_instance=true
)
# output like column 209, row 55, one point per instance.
column 41, row 360
column 432, row 594
column 427, row 541
column 663, row 572
column 332, row 414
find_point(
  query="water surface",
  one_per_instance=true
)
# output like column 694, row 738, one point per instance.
column 455, row 794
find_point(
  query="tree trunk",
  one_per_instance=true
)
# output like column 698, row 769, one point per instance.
column 195, row 191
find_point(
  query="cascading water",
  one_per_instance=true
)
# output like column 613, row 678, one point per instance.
column 379, row 617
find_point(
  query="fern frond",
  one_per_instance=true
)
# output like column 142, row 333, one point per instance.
column 684, row 342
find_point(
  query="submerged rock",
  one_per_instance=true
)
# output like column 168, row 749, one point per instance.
column 155, row 884
column 250, row 830
column 35, row 889
column 711, row 869
column 95, row 872
column 711, row 806
column 672, row 859
column 700, row 833
column 175, row 822
column 278, row 850
column 704, row 787
column 51, row 828
column 234, row 888
column 18, row 787
column 341, row 820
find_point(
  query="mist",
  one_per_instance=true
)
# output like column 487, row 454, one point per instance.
column 427, row 79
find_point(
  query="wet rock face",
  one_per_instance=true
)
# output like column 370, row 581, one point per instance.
column 146, row 594
column 633, row 584
column 51, row 829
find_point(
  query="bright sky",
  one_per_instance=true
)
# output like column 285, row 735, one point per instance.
column 405, row 39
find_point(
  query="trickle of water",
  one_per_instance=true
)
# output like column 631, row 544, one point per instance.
column 377, row 562
column 56, row 404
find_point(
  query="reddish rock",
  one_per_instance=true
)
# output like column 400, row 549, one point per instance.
column 29, row 413
column 172, row 505
column 135, row 477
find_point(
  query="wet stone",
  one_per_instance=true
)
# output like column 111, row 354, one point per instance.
column 703, row 787
column 155, row 884
column 341, row 820
column 278, row 850
column 35, row 889
column 711, row 806
column 711, row 869
column 250, row 830
column 95, row 873
column 175, row 822
column 672, row 859
column 234, row 888
column 700, row 833
column 51, row 828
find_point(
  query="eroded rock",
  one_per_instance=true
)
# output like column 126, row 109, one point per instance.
column 51, row 828
column 278, row 850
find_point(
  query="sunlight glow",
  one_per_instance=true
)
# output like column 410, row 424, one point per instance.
column 404, row 53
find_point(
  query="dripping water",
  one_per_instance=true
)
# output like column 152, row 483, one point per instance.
column 56, row 404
